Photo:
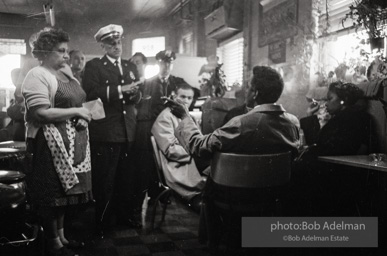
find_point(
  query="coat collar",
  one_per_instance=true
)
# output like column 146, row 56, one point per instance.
column 113, row 60
column 107, row 63
column 272, row 107
column 125, row 65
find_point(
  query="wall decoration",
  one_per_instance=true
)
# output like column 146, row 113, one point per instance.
column 277, row 51
column 278, row 22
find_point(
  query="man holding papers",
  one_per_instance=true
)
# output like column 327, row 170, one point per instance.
column 112, row 80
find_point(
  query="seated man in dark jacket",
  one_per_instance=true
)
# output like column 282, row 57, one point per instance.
column 265, row 129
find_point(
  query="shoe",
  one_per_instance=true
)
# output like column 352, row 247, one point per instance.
column 74, row 244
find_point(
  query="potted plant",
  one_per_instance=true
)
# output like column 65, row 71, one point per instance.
column 367, row 14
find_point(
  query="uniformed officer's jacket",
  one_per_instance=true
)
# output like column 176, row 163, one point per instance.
column 101, row 80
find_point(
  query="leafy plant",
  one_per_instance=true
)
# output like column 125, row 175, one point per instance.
column 367, row 14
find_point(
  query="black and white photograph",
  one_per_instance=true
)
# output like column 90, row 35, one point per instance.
column 193, row 127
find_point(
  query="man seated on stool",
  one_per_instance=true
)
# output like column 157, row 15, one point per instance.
column 180, row 171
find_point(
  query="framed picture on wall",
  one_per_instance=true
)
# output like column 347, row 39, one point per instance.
column 277, row 21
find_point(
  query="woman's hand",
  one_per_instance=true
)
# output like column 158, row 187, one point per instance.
column 81, row 124
column 85, row 114
column 313, row 108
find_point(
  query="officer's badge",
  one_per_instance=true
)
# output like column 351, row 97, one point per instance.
column 132, row 75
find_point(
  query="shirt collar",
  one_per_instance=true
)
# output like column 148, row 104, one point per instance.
column 272, row 107
column 163, row 78
column 112, row 60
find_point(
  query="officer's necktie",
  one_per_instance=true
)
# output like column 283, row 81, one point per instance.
column 117, row 64
column 164, row 83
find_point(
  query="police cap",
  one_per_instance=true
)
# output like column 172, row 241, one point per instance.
column 166, row 56
column 111, row 31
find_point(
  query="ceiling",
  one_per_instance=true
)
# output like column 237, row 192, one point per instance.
column 89, row 10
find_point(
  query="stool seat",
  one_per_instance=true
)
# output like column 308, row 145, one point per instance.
column 9, row 177
column 12, row 189
column 13, row 144
column 10, row 150
column 11, row 197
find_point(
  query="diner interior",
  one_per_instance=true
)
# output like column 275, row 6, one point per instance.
column 311, row 44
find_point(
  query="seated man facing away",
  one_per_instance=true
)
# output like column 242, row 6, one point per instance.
column 265, row 129
column 180, row 171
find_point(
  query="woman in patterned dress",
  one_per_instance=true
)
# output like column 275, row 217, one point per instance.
column 57, row 137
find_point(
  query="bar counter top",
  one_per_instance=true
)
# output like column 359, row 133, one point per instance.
column 361, row 161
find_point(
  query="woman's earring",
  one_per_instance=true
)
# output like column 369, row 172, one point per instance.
column 342, row 102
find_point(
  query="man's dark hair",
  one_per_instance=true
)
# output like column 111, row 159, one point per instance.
column 144, row 59
column 47, row 39
column 268, row 82
column 183, row 86
column 74, row 51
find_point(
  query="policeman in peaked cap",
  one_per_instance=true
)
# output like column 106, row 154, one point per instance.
column 166, row 56
column 110, row 39
column 165, row 60
column 109, row 31
column 112, row 79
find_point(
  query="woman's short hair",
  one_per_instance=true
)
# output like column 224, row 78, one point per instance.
column 46, row 40
column 347, row 92
column 268, row 82
column 144, row 59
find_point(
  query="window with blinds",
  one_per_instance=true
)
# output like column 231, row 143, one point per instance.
column 186, row 44
column 231, row 55
column 10, row 51
column 12, row 46
column 8, row 62
column 332, row 15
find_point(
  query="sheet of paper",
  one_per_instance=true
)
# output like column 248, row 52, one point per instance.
column 96, row 109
